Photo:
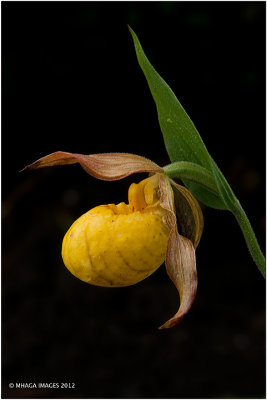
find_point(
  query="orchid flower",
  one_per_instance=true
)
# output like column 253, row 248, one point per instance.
column 120, row 245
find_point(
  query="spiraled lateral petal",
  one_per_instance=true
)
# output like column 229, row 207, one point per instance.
column 105, row 166
column 181, row 268
column 180, row 258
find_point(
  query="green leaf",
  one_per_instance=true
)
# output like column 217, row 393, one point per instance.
column 181, row 138
column 191, row 161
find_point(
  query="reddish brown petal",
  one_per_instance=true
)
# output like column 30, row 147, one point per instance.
column 181, row 268
column 189, row 214
column 105, row 166
column 180, row 257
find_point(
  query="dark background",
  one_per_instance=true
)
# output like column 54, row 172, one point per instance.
column 71, row 82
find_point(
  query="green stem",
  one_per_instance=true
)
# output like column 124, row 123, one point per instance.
column 235, row 207
column 192, row 172
column 250, row 237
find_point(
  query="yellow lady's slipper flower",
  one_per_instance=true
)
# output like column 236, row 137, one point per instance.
column 120, row 245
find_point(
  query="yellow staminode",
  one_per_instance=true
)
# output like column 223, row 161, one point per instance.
column 119, row 245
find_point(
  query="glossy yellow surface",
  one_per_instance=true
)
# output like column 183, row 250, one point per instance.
column 119, row 245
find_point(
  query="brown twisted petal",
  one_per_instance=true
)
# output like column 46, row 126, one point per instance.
column 188, row 212
column 180, row 258
column 105, row 166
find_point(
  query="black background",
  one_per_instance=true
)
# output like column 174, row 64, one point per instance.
column 71, row 82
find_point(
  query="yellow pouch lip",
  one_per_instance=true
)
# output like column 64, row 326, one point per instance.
column 105, row 247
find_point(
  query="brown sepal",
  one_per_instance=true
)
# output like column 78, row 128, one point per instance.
column 189, row 214
column 105, row 166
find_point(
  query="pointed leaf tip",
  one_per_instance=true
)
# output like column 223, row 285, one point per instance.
column 182, row 140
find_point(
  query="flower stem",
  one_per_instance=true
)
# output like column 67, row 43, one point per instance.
column 200, row 175
column 192, row 172
column 250, row 237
